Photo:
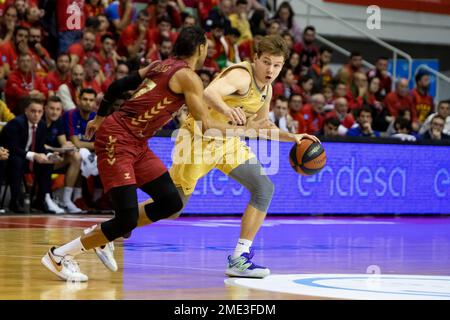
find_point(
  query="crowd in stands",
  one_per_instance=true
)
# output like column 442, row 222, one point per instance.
column 59, row 57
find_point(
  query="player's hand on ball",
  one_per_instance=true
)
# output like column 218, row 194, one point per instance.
column 93, row 126
column 236, row 116
column 300, row 137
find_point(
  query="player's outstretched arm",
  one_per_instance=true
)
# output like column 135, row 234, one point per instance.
column 235, row 81
column 275, row 133
column 187, row 82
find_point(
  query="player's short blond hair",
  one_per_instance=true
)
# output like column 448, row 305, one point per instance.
column 273, row 45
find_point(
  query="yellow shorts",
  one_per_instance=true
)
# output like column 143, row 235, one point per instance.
column 194, row 157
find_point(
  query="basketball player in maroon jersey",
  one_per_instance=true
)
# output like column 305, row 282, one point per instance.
column 125, row 163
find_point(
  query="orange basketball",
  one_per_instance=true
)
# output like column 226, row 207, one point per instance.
column 308, row 157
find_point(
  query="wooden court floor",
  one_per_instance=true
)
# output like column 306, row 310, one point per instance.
column 186, row 258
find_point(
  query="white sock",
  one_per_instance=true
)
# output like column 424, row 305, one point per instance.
column 67, row 197
column 77, row 193
column 243, row 245
column 73, row 248
column 97, row 194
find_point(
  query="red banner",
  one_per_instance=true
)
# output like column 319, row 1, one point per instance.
column 432, row 6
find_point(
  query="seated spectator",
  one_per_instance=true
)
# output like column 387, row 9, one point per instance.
column 345, row 74
column 294, row 63
column 11, row 50
column 285, row 16
column 210, row 63
column 163, row 30
column 306, row 88
column 71, row 160
column 163, row 50
column 400, row 99
column 258, row 22
column 404, row 114
column 273, row 28
column 320, row 71
column 331, row 127
column 43, row 63
column 217, row 38
column 380, row 72
column 308, row 51
column 23, row 82
column 295, row 104
column 69, row 93
column 93, row 75
column 340, row 112
column 247, row 48
column 364, row 126
column 188, row 21
column 280, row 115
column 8, row 24
column 312, row 119
column 289, row 40
column 79, row 51
column 287, row 84
column 231, row 47
column 381, row 117
column 358, row 93
column 436, row 131
column 239, row 21
column 403, row 130
column 61, row 75
column 327, row 92
column 24, row 137
column 107, row 56
column 443, row 110
column 121, row 71
column 164, row 8
column 422, row 101
column 340, row 90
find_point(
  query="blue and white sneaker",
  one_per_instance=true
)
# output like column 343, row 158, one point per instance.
column 242, row 266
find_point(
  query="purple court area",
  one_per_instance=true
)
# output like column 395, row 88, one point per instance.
column 198, row 248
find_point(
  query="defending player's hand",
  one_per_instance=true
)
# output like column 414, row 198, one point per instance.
column 236, row 116
column 93, row 126
column 302, row 136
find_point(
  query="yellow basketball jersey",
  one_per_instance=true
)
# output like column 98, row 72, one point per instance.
column 251, row 102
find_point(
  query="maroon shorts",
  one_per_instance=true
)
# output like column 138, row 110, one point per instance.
column 122, row 159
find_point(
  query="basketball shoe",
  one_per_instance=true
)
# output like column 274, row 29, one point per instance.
column 242, row 266
column 65, row 267
column 106, row 255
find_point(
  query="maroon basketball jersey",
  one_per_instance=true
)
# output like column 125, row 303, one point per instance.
column 153, row 103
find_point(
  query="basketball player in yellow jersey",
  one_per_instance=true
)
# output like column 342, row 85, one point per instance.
column 239, row 91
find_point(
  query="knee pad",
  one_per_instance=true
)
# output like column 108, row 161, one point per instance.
column 124, row 222
column 261, row 190
column 166, row 206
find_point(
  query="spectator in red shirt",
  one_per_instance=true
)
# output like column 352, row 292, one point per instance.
column 107, row 56
column 287, row 85
column 247, row 48
column 92, row 73
column 295, row 104
column 321, row 71
column 217, row 36
column 340, row 112
column 164, row 8
column 358, row 93
column 43, row 63
column 210, row 64
column 381, row 73
column 33, row 17
column 21, row 6
column 93, row 8
column 11, row 50
column 312, row 119
column 24, row 82
column 83, row 49
column 400, row 99
column 423, row 102
column 121, row 71
column 61, row 75
column 164, row 50
column 70, row 20
column 308, row 51
column 8, row 24
column 163, row 30
column 135, row 40
column 345, row 74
